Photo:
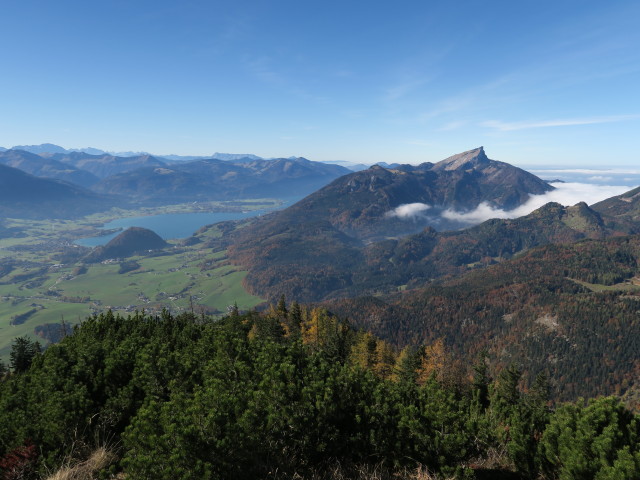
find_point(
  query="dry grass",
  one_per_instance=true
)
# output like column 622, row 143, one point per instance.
column 363, row 472
column 86, row 470
column 102, row 458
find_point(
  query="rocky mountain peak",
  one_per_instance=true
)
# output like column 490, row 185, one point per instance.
column 463, row 161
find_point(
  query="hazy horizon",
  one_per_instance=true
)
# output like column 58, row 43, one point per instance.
column 611, row 174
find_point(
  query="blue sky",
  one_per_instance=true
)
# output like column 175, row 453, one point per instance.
column 535, row 82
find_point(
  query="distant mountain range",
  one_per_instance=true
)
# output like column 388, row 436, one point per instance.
column 48, row 149
column 211, row 179
column 149, row 180
column 106, row 165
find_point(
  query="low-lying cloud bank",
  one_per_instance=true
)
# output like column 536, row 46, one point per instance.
column 566, row 194
column 602, row 176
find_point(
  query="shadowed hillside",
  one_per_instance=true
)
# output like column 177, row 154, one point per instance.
column 46, row 167
column 25, row 196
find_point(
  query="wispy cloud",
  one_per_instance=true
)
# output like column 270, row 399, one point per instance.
column 410, row 74
column 404, row 88
column 261, row 67
column 510, row 126
column 266, row 69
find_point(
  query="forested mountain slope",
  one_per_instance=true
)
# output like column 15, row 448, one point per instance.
column 623, row 210
column 312, row 260
column 570, row 310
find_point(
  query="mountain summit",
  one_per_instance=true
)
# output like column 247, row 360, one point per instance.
column 381, row 202
column 332, row 241
column 471, row 159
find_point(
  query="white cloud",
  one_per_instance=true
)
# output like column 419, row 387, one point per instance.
column 566, row 194
column 409, row 210
column 509, row 126
column 482, row 212
column 571, row 193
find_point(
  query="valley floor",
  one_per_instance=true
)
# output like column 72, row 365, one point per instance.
column 44, row 282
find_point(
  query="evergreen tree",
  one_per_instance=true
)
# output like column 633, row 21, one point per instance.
column 296, row 313
column 281, row 308
column 23, row 351
column 506, row 394
column 601, row 440
column 293, row 323
column 538, row 402
column 481, row 381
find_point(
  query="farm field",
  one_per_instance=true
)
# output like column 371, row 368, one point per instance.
column 45, row 287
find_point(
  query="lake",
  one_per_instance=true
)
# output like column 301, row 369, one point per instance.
column 174, row 225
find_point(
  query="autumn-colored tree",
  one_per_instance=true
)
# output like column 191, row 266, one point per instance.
column 363, row 351
column 432, row 362
column 385, row 359
column 406, row 365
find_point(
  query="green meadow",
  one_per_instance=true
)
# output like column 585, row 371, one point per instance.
column 44, row 281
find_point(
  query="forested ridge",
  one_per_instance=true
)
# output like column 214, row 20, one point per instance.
column 291, row 393
column 311, row 260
